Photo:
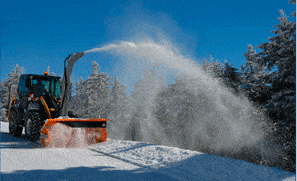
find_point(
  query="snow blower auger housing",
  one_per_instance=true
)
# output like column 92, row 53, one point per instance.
column 41, row 102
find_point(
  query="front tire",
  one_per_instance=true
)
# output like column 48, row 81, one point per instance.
column 33, row 126
column 14, row 129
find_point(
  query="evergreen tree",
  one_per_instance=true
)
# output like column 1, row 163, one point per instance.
column 280, row 57
column 226, row 74
column 230, row 76
column 254, row 79
column 8, row 91
column 279, row 54
column 269, row 79
column 211, row 67
column 77, row 101
column 143, row 108
column 119, row 110
column 176, row 109
column 92, row 96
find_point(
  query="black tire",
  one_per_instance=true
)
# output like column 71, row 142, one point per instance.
column 33, row 127
column 14, row 129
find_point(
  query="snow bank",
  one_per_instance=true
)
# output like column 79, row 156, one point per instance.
column 186, row 164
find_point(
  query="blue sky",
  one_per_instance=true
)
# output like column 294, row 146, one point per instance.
column 37, row 34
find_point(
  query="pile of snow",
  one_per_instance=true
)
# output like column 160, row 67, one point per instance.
column 186, row 164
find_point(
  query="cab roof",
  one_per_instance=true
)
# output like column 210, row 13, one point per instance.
column 40, row 76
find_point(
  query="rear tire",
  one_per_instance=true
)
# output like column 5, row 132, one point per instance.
column 33, row 126
column 14, row 129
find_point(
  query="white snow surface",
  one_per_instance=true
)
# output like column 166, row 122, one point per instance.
column 122, row 160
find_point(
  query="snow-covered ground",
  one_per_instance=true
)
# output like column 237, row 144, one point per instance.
column 122, row 160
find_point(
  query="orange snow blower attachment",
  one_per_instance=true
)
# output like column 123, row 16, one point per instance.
column 91, row 131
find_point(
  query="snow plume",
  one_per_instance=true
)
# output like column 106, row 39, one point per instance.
column 63, row 136
column 220, row 122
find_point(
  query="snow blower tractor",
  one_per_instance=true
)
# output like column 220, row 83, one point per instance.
column 41, row 103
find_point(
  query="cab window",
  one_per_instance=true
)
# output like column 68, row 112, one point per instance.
column 56, row 87
column 51, row 85
column 22, row 89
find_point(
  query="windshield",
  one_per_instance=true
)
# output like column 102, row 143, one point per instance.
column 52, row 85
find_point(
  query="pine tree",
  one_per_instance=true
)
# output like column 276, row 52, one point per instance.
column 8, row 90
column 224, row 73
column 211, row 67
column 119, row 110
column 271, row 80
column 254, row 82
column 230, row 76
column 78, row 99
column 176, row 109
column 92, row 96
column 143, row 108
column 279, row 54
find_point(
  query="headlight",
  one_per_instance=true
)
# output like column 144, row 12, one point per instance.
column 32, row 98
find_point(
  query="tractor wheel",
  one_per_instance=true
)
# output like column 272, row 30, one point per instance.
column 14, row 129
column 33, row 126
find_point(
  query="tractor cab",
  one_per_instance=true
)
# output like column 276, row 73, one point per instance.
column 32, row 89
column 30, row 83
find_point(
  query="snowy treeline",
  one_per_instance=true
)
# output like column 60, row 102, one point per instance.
column 101, row 96
column 268, row 79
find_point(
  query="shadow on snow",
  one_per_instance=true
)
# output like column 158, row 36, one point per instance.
column 8, row 141
column 85, row 173
column 198, row 167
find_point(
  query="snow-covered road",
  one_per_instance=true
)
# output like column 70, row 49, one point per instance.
column 23, row 160
column 122, row 160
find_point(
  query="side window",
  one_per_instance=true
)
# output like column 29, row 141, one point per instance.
column 46, row 84
column 57, row 88
column 22, row 89
column 34, row 82
column 53, row 86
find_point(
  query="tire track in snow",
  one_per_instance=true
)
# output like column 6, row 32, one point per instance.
column 125, row 150
column 146, row 168
column 181, row 164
